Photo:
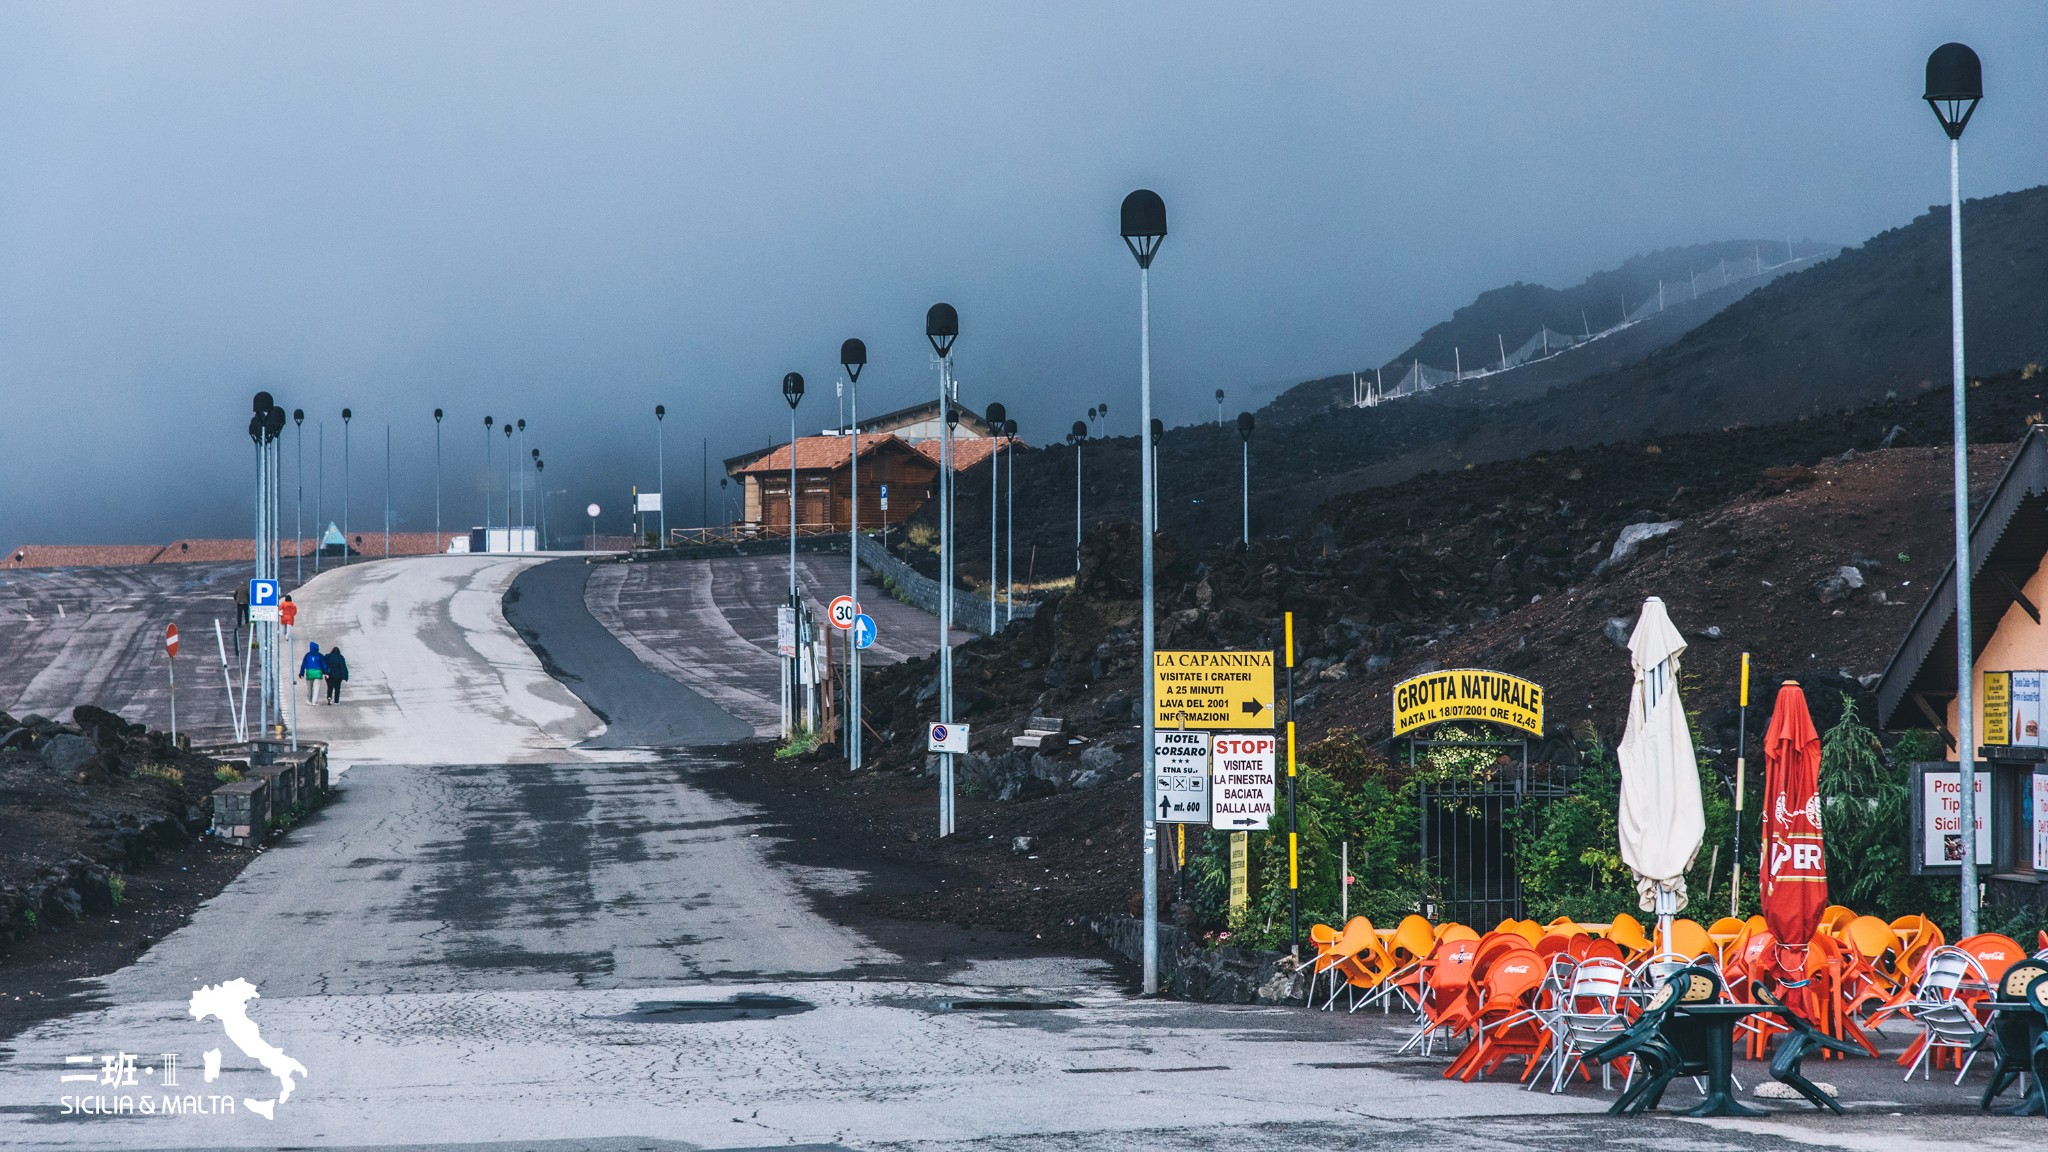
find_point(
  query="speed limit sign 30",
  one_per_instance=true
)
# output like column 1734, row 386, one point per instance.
column 843, row 612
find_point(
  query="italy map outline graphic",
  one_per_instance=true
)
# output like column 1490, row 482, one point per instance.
column 228, row 1002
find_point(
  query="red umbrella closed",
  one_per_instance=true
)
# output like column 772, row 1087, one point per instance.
column 1794, row 877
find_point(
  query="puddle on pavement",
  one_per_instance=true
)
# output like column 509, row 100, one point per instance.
column 1004, row 1005
column 745, row 1006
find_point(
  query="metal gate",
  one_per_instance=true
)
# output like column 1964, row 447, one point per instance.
column 1468, row 836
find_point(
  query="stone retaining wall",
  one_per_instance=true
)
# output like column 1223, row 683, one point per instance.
column 915, row 588
column 1212, row 975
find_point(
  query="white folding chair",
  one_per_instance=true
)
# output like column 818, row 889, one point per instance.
column 1946, row 1020
column 1594, row 1010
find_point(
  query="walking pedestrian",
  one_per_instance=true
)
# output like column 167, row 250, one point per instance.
column 337, row 674
column 312, row 669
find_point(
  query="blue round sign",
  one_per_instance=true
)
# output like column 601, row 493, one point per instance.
column 863, row 630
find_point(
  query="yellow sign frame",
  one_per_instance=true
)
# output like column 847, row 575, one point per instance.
column 1468, row 694
column 1220, row 690
column 1997, row 697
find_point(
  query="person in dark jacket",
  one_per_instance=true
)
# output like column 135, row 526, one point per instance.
column 337, row 674
column 312, row 669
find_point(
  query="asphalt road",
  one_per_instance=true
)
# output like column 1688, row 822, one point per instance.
column 641, row 707
column 553, row 947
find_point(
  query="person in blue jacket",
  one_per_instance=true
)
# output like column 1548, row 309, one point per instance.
column 313, row 669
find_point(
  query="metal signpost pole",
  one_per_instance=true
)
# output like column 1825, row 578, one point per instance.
column 793, row 394
column 1143, row 229
column 1244, row 433
column 853, row 356
column 942, row 327
column 661, row 477
column 995, row 417
column 299, row 500
column 1955, row 83
column 1293, row 828
column 1077, row 437
column 487, row 492
column 1741, row 770
column 1010, row 524
column 387, row 491
column 320, row 497
column 346, row 416
column 519, row 478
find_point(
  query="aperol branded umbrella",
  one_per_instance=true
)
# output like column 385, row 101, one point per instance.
column 1661, row 821
column 1794, row 873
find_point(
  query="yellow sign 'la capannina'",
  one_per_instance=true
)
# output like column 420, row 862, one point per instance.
column 1468, row 694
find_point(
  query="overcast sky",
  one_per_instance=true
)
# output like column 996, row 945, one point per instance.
column 573, row 212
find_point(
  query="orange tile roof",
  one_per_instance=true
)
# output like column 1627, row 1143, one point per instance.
column 967, row 450
column 818, row 453
column 80, row 555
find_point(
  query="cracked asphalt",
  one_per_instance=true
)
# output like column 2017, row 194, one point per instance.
column 562, row 947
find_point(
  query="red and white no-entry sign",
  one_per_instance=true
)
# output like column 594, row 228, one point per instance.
column 171, row 640
column 843, row 611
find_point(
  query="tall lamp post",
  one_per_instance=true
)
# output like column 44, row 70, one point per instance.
column 853, row 356
column 1219, row 407
column 511, row 469
column 299, row 500
column 1244, row 433
column 487, row 488
column 346, row 416
column 437, row 481
column 995, row 415
column 942, row 327
column 1077, row 437
column 1955, row 83
column 793, row 393
column 1010, row 524
column 661, row 476
column 1144, row 229
column 540, row 468
column 519, row 471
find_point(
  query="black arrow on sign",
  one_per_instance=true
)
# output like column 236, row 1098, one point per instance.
column 1253, row 707
column 1240, row 822
column 1165, row 807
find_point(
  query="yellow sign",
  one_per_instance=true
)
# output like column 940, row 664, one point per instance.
column 1212, row 690
column 1468, row 694
column 1997, row 708
column 1240, row 870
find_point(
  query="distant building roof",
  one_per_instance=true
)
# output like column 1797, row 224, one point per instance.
column 970, row 450
column 80, row 555
column 918, row 414
column 821, row 453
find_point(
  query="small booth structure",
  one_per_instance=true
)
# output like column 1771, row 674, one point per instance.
column 2009, row 643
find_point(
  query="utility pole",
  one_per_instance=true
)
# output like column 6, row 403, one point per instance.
column 853, row 356
column 1144, row 229
column 942, row 328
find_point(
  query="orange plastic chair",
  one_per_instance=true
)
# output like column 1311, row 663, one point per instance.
column 1506, row 1021
column 1562, row 926
column 1451, row 932
column 1320, row 937
column 1409, row 947
column 1724, row 933
column 1449, row 997
column 1358, row 936
column 1627, row 931
column 1602, row 948
column 1833, row 919
column 1691, row 941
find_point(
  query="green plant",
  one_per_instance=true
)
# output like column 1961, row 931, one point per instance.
column 227, row 774
column 117, row 887
column 161, row 772
column 1866, row 812
column 805, row 740
column 30, row 916
column 1569, row 857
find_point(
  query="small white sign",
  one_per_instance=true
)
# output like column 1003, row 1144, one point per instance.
column 785, row 631
column 842, row 610
column 1243, row 781
column 2040, row 821
column 649, row 502
column 948, row 738
column 1180, row 773
column 263, row 614
column 1941, row 819
column 885, row 497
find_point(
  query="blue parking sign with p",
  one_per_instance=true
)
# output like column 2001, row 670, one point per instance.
column 265, row 593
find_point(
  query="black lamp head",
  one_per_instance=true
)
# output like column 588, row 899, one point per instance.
column 507, row 426
column 273, row 422
column 1955, row 82
column 853, row 354
column 540, row 465
column 1144, row 224
column 793, row 389
column 660, row 411
column 995, row 415
column 437, row 415
column 952, row 414
column 1091, row 413
column 256, row 429
column 1244, row 426
column 347, row 415
column 536, row 454
column 1102, row 410
column 487, row 423
column 1219, row 395
column 1158, row 430
column 522, row 425
column 263, row 403
column 1079, row 431
column 1010, row 429
column 942, row 327
column 298, row 416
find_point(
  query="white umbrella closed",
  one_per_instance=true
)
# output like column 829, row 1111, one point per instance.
column 1661, row 821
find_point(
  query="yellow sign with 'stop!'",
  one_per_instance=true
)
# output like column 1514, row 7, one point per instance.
column 1212, row 690
column 1468, row 694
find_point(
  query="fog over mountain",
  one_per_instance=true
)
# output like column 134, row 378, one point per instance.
column 569, row 214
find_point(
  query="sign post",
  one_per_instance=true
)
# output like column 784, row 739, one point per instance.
column 1293, row 837
column 1240, row 871
column 171, row 663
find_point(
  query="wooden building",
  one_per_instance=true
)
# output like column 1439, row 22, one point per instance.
column 824, row 483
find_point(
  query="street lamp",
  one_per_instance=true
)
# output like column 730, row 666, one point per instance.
column 511, row 466
column 1144, row 229
column 1244, row 432
column 1077, row 436
column 995, row 415
column 346, row 416
column 299, row 500
column 487, row 484
column 1009, row 524
column 942, row 327
column 592, row 512
column 540, row 468
column 1091, row 419
column 853, row 356
column 519, row 471
column 1955, row 83
column 661, row 475
column 793, row 393
column 1219, row 407
column 437, row 481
